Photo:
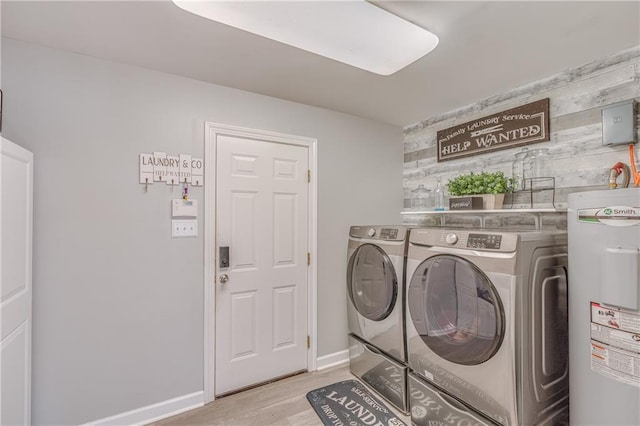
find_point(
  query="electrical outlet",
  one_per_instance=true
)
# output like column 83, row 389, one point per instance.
column 184, row 228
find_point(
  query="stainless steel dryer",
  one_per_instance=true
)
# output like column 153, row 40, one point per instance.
column 375, row 307
column 487, row 326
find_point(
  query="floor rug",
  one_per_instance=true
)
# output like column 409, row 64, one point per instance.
column 349, row 403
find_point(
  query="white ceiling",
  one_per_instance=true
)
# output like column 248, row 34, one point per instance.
column 485, row 48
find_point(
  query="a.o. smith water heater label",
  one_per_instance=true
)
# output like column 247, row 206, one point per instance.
column 615, row 343
column 612, row 215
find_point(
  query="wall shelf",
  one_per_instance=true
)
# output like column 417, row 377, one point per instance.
column 440, row 212
column 490, row 219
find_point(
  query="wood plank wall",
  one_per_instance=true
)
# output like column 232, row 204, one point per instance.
column 579, row 160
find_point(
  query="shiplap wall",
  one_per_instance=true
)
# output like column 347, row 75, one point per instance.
column 579, row 161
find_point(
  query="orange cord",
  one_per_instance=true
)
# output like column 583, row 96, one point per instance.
column 634, row 170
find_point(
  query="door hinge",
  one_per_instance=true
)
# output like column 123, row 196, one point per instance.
column 308, row 175
column 308, row 342
column 308, row 258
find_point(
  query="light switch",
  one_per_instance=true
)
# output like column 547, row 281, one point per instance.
column 184, row 228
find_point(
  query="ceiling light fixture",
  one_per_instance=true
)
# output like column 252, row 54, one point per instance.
column 354, row 32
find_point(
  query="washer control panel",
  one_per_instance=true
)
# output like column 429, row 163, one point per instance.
column 484, row 241
column 389, row 233
column 463, row 239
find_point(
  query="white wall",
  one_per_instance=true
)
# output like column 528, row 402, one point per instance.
column 118, row 303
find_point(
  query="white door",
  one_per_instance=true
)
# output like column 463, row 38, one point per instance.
column 16, row 215
column 262, row 216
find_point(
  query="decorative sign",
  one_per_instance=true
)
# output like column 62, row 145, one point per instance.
column 185, row 168
column 518, row 126
column 159, row 166
column 172, row 169
column 146, row 168
column 197, row 171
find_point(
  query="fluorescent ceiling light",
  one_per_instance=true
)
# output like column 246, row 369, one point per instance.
column 354, row 32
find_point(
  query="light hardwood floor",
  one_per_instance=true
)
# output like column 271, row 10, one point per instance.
column 279, row 403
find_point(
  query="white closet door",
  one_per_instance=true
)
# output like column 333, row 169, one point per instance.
column 16, row 216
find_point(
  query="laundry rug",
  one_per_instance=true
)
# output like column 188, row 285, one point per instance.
column 349, row 403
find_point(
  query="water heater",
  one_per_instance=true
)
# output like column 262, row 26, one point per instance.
column 604, row 307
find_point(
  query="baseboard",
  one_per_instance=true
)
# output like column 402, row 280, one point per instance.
column 154, row 412
column 333, row 360
column 171, row 407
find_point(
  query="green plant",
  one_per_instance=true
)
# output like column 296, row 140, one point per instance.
column 481, row 183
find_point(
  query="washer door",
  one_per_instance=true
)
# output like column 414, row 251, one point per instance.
column 371, row 282
column 456, row 310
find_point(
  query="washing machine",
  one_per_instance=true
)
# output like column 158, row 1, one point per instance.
column 487, row 331
column 375, row 309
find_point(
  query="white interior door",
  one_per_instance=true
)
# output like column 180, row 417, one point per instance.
column 262, row 216
column 16, row 213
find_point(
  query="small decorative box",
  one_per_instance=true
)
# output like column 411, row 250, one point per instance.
column 465, row 203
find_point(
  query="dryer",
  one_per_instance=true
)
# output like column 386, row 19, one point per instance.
column 375, row 307
column 487, row 330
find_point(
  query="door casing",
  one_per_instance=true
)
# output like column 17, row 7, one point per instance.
column 212, row 131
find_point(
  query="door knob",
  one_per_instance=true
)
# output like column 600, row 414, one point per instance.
column 224, row 278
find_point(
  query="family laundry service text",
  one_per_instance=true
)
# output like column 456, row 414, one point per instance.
column 518, row 126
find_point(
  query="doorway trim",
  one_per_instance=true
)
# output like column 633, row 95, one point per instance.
column 211, row 133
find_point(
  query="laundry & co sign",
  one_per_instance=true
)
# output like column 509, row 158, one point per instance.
column 518, row 126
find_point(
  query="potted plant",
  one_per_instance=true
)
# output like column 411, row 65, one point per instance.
column 491, row 186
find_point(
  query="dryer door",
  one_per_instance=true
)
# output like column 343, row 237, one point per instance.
column 456, row 310
column 371, row 282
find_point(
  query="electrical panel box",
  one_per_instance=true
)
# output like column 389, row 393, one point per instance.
column 619, row 124
column 184, row 208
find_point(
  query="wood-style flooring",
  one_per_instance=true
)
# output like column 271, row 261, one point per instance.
column 279, row 403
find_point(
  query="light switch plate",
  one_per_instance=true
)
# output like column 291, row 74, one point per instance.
column 184, row 228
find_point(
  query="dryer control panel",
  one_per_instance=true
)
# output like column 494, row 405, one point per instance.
column 485, row 241
column 376, row 232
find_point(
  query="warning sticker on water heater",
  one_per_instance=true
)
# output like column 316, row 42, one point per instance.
column 616, row 364
column 615, row 343
column 621, row 319
column 612, row 216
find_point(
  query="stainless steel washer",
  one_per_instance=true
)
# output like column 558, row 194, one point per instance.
column 375, row 293
column 487, row 326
